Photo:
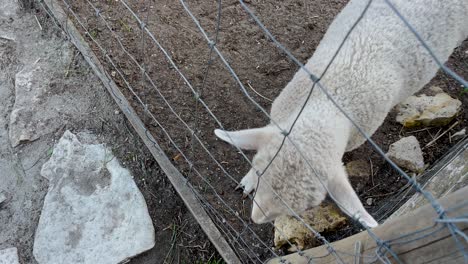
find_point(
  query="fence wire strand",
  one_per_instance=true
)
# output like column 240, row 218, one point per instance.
column 121, row 75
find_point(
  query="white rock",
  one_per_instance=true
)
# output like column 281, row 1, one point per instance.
column 93, row 211
column 9, row 256
column 459, row 135
column 425, row 110
column 3, row 197
column 407, row 154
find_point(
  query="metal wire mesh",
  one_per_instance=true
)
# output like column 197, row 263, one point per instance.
column 236, row 227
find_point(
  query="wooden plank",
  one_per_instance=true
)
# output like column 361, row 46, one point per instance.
column 448, row 175
column 177, row 179
column 437, row 247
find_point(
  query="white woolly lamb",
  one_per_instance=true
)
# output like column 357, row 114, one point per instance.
column 380, row 64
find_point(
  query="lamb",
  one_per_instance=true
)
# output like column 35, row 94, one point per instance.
column 380, row 64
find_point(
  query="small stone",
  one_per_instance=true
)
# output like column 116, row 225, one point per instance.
column 3, row 198
column 423, row 110
column 369, row 201
column 9, row 256
column 325, row 217
column 116, row 112
column 358, row 169
column 459, row 135
column 407, row 154
column 113, row 73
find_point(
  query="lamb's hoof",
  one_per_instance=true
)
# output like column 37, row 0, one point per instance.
column 245, row 192
column 248, row 185
column 367, row 220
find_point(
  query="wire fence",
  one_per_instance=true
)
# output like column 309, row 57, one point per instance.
column 133, row 49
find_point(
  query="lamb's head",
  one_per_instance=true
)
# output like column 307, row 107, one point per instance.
column 287, row 184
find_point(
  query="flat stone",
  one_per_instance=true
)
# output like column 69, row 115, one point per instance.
column 28, row 119
column 93, row 211
column 358, row 169
column 423, row 110
column 43, row 103
column 289, row 230
column 9, row 256
column 407, row 154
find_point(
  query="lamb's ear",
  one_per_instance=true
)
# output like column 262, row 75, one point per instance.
column 250, row 139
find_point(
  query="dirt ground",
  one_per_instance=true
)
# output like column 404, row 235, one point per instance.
column 299, row 25
column 23, row 40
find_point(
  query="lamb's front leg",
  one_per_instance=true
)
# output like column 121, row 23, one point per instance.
column 249, row 183
column 342, row 191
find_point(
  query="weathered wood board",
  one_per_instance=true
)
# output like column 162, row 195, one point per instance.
column 434, row 245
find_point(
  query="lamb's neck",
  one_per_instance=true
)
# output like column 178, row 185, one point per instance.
column 321, row 125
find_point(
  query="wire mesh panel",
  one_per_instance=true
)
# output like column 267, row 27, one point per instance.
column 178, row 64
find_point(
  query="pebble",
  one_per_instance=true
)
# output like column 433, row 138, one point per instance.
column 407, row 154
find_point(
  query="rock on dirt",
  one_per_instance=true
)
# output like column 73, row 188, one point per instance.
column 35, row 91
column 424, row 110
column 9, row 256
column 325, row 217
column 93, row 211
column 3, row 198
column 458, row 135
column 407, row 154
column 358, row 169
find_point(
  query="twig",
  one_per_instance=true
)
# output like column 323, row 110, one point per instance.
column 401, row 130
column 67, row 72
column 372, row 188
column 195, row 246
column 372, row 171
column 382, row 195
column 437, row 134
column 445, row 132
column 419, row 130
column 266, row 98
column 37, row 20
column 429, row 132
